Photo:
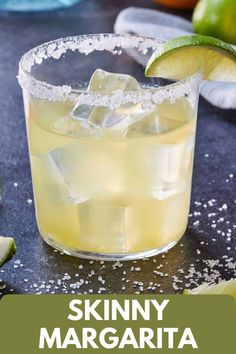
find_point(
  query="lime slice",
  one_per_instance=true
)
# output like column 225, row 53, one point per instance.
column 183, row 56
column 223, row 287
column 7, row 249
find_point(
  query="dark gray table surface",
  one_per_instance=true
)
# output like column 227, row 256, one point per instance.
column 208, row 249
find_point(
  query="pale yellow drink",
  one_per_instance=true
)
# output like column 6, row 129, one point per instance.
column 111, row 195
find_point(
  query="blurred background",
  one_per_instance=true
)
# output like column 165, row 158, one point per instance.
column 27, row 23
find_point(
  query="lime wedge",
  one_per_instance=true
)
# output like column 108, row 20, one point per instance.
column 223, row 287
column 7, row 249
column 183, row 56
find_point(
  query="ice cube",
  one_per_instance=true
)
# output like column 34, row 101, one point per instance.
column 49, row 178
column 150, row 123
column 86, row 169
column 82, row 111
column 168, row 162
column 102, row 81
column 74, row 165
column 170, row 175
column 144, row 122
column 117, row 123
column 103, row 222
column 161, row 118
column 77, row 128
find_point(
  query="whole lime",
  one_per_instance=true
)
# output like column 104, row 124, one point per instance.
column 216, row 18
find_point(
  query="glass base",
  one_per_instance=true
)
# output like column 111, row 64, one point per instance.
column 107, row 256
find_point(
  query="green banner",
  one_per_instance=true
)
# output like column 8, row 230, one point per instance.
column 31, row 324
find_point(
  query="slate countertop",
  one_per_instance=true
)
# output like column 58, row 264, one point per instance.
column 208, row 249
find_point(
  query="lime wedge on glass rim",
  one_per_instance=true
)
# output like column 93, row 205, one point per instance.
column 7, row 249
column 222, row 288
column 183, row 56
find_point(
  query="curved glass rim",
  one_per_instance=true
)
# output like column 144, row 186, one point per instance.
column 86, row 44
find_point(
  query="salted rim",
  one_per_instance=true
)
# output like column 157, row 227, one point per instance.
column 86, row 44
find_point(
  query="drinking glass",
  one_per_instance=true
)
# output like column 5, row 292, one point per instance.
column 111, row 151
